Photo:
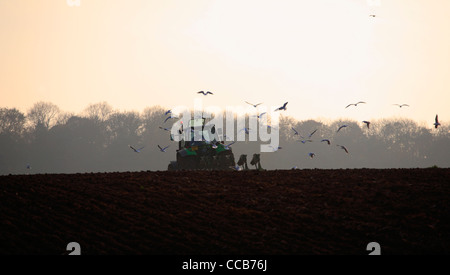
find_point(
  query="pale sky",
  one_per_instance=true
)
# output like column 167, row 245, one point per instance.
column 319, row 55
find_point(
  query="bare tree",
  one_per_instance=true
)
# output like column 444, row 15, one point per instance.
column 43, row 113
column 98, row 111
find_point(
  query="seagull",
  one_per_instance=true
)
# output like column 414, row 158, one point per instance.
column 163, row 149
column 254, row 105
column 275, row 149
column 259, row 116
column 367, row 123
column 165, row 129
column 326, row 140
column 227, row 147
column 436, row 122
column 205, row 93
column 136, row 150
column 402, row 105
column 247, row 130
column 343, row 147
column 310, row 135
column 372, row 15
column 282, row 107
column 28, row 166
column 355, row 104
column 345, row 125
column 311, row 155
column 169, row 117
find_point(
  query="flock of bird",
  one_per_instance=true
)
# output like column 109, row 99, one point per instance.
column 303, row 139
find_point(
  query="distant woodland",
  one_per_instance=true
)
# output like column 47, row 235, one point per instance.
column 49, row 140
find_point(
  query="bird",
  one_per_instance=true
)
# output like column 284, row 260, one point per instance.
column 247, row 130
column 167, row 118
column 372, row 15
column 28, row 166
column 259, row 116
column 343, row 126
column 295, row 131
column 401, row 105
column 165, row 129
column 343, row 147
column 227, row 147
column 355, row 104
column 311, row 155
column 367, row 123
column 163, row 149
column 275, row 148
column 310, row 135
column 136, row 150
column 326, row 140
column 205, row 93
column 254, row 105
column 436, row 122
column 282, row 107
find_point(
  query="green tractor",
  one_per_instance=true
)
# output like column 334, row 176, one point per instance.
column 203, row 151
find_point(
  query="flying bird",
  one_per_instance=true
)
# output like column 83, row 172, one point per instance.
column 343, row 126
column 367, row 123
column 260, row 115
column 28, row 166
column 401, row 105
column 167, row 118
column 326, row 140
column 275, row 148
column 205, row 93
column 163, row 149
column 247, row 130
column 310, row 135
column 136, row 150
column 436, row 122
column 343, row 147
column 355, row 104
column 254, row 105
column 227, row 147
column 282, row 107
column 311, row 155
column 372, row 15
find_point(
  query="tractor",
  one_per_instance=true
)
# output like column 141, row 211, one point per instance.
column 203, row 151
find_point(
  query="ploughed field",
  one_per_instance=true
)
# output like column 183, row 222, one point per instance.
column 281, row 212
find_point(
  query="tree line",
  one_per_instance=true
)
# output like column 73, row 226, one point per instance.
column 46, row 139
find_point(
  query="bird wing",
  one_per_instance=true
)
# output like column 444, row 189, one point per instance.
column 360, row 102
column 436, row 119
column 284, row 105
column 132, row 147
column 160, row 147
column 349, row 105
column 201, row 92
column 295, row 131
column 208, row 92
column 310, row 135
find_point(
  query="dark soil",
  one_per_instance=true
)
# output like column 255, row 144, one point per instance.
column 290, row 212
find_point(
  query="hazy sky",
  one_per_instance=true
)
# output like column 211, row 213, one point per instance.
column 319, row 55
